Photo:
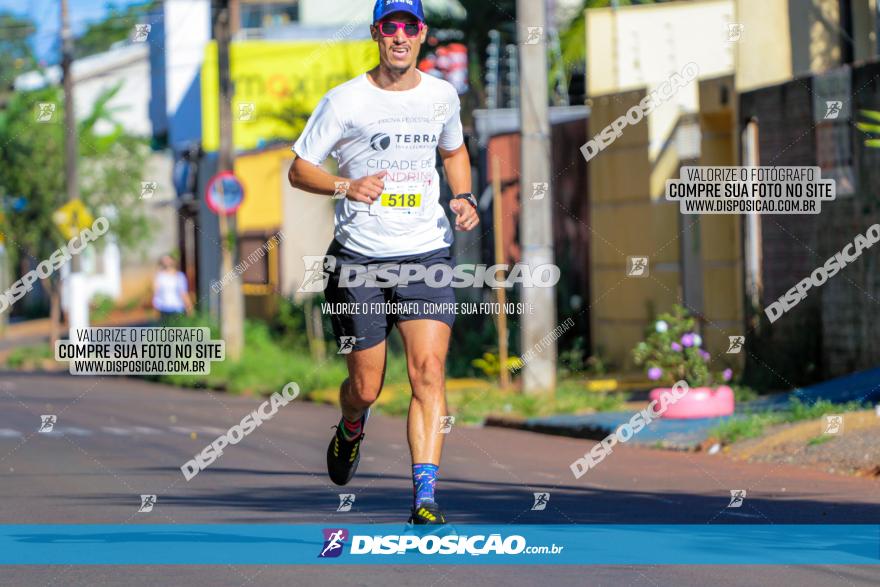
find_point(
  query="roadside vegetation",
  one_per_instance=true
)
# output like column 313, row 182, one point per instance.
column 268, row 363
column 30, row 358
column 756, row 424
column 472, row 402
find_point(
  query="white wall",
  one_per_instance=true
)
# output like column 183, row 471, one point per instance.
column 126, row 65
column 641, row 46
column 130, row 105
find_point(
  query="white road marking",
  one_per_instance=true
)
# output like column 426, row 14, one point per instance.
column 59, row 431
column 74, row 431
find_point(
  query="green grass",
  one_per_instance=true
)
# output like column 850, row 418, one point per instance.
column 267, row 365
column 743, row 393
column 751, row 426
column 472, row 405
column 754, row 425
column 819, row 440
column 801, row 411
column 28, row 357
column 101, row 308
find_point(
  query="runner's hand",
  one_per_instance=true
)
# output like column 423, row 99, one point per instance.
column 366, row 189
column 466, row 217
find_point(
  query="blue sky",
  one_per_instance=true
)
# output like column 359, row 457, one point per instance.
column 45, row 13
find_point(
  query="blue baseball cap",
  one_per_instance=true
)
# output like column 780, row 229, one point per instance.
column 385, row 7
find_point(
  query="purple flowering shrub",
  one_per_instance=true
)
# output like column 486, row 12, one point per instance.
column 672, row 350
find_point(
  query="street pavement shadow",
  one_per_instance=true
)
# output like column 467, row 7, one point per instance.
column 222, row 494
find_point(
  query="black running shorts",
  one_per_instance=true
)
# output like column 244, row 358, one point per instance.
column 366, row 306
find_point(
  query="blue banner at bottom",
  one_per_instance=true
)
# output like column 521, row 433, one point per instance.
column 311, row 544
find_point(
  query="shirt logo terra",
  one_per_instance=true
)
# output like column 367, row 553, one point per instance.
column 381, row 141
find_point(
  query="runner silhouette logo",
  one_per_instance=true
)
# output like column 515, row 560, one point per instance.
column 334, row 541
column 317, row 272
column 541, row 501
column 346, row 500
column 47, row 423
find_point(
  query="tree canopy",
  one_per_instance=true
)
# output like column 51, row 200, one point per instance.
column 18, row 56
column 32, row 172
column 116, row 26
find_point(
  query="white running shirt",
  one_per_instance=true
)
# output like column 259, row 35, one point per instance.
column 368, row 130
column 168, row 291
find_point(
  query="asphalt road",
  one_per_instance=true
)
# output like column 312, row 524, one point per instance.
column 115, row 439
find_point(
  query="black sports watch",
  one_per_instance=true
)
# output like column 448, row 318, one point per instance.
column 469, row 197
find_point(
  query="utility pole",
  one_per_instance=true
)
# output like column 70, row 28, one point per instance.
column 498, row 225
column 536, row 219
column 70, row 150
column 71, row 179
column 231, row 298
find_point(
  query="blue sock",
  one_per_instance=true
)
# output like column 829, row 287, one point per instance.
column 424, row 480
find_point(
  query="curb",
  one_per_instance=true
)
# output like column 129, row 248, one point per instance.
column 584, row 432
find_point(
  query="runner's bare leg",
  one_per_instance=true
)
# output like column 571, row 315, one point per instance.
column 426, row 343
column 366, row 375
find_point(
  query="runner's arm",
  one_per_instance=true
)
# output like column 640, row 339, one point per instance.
column 314, row 179
column 458, row 173
column 457, row 164
column 318, row 140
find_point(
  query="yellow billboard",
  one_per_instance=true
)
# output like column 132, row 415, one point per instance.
column 276, row 85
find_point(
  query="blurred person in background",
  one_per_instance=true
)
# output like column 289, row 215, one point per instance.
column 170, row 291
column 385, row 128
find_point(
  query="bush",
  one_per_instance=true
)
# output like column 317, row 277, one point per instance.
column 672, row 351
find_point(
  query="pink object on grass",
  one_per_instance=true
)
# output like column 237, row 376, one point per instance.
column 698, row 402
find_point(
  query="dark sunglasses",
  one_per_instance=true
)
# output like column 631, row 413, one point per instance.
column 389, row 28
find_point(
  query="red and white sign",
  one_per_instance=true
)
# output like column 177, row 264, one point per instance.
column 224, row 194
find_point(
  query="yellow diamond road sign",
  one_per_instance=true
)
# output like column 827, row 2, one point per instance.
column 71, row 218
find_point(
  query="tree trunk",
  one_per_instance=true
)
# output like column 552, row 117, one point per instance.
column 4, row 285
column 54, row 289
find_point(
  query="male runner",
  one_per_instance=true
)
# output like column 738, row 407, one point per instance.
column 384, row 128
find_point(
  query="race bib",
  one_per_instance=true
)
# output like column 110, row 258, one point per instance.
column 400, row 199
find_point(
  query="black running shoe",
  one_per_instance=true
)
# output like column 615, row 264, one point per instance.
column 343, row 455
column 427, row 514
